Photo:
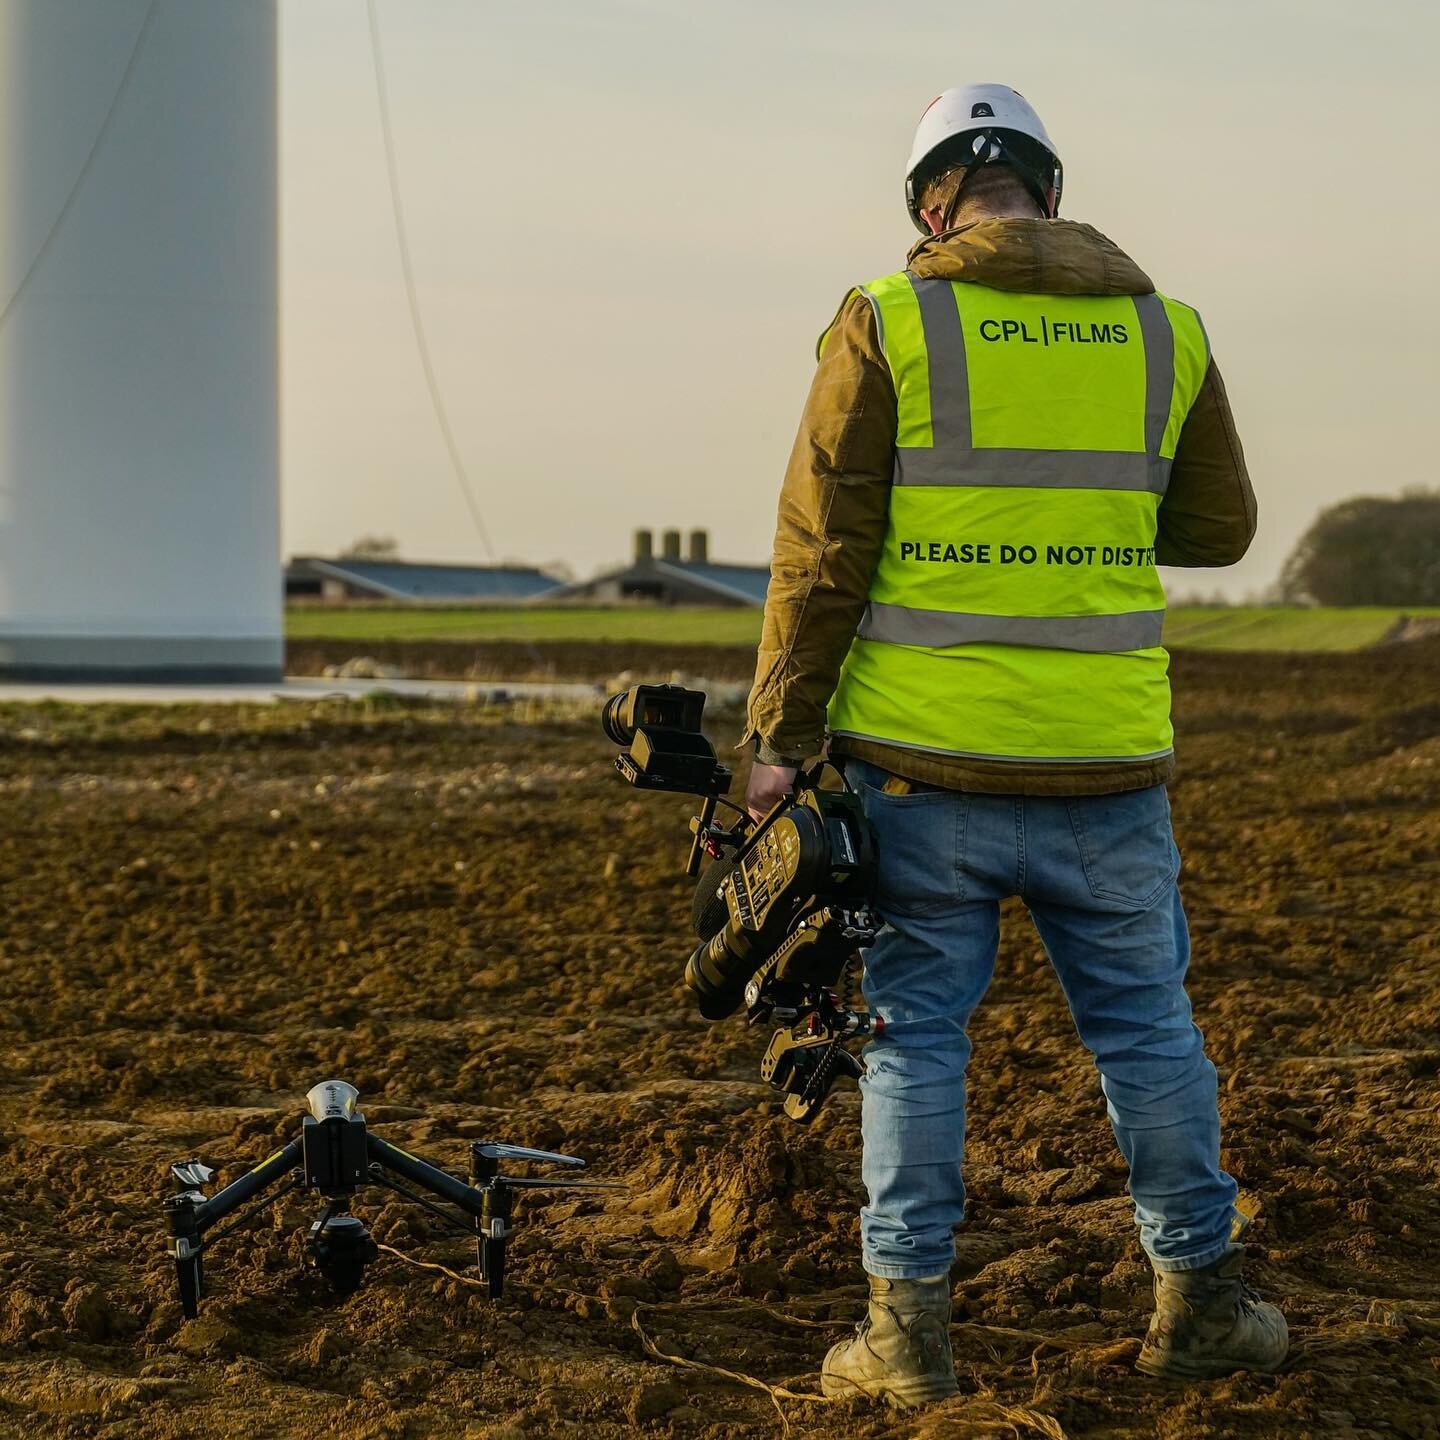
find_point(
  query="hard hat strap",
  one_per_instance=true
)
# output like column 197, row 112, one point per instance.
column 991, row 146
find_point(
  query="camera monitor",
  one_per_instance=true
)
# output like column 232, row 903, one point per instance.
column 659, row 725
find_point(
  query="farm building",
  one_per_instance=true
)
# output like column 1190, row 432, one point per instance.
column 670, row 578
column 308, row 576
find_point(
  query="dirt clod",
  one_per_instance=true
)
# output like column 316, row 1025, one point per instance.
column 650, row 1401
column 663, row 1270
column 88, row 1311
column 212, row 1337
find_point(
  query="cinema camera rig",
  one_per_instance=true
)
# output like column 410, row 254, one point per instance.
column 783, row 909
column 336, row 1155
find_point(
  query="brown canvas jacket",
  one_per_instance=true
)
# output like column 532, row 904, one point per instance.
column 836, row 495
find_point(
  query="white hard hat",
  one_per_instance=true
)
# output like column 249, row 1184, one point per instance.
column 1002, row 125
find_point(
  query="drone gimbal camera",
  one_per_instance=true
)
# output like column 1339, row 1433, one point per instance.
column 336, row 1155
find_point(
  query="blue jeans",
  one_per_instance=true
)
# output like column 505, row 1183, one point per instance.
column 1098, row 874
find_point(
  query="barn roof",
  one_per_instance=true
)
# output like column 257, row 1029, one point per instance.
column 745, row 584
column 748, row 582
column 413, row 580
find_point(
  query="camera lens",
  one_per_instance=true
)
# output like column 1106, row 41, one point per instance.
column 717, row 974
column 617, row 724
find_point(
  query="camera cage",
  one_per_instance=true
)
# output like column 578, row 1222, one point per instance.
column 793, row 897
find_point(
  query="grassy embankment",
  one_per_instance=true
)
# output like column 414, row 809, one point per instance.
column 1199, row 627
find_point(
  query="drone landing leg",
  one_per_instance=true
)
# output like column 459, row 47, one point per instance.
column 494, row 1228
column 488, row 1206
column 190, row 1215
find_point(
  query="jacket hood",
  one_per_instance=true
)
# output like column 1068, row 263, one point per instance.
column 1043, row 257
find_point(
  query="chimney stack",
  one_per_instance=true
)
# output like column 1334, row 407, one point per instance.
column 699, row 547
column 644, row 545
column 670, row 545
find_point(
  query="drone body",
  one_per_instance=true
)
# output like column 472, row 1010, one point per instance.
column 335, row 1155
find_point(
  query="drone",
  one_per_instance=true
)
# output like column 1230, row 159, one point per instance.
column 335, row 1154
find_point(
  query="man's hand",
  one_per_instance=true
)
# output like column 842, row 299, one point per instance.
column 768, row 784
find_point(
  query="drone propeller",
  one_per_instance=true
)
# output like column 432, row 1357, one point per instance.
column 192, row 1174
column 493, row 1150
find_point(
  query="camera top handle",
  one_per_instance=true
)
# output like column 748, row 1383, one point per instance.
column 711, row 838
column 659, row 727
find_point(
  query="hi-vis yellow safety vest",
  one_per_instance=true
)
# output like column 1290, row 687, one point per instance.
column 1015, row 613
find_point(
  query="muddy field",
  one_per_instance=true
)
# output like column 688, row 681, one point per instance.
column 205, row 912
column 520, row 659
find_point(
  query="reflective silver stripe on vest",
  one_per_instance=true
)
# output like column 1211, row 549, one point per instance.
column 1159, row 367
column 953, row 459
column 1036, row 469
column 949, row 372
column 938, row 629
column 879, row 318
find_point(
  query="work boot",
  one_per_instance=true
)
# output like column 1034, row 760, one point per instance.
column 901, row 1350
column 1209, row 1323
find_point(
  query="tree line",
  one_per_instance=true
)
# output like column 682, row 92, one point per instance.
column 1372, row 550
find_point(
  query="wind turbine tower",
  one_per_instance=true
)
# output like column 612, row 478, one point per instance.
column 139, row 430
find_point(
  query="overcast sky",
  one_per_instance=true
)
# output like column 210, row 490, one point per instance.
column 630, row 218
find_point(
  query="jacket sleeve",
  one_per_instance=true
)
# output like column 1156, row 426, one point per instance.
column 834, row 506
column 1208, row 514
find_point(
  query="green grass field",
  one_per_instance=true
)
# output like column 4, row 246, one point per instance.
column 672, row 627
column 1281, row 627
column 1241, row 628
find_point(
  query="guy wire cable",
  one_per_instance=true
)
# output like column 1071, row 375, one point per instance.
column 89, row 164
column 457, row 464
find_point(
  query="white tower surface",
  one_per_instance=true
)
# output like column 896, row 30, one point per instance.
column 139, row 434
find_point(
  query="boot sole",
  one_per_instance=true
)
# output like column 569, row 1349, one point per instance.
column 901, row 1394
